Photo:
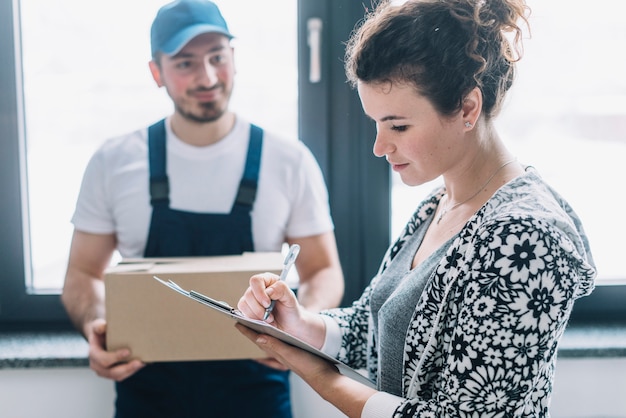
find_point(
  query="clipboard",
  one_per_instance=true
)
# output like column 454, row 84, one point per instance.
column 265, row 328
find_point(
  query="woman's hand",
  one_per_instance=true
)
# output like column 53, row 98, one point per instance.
column 287, row 315
column 348, row 395
column 257, row 298
column 285, row 356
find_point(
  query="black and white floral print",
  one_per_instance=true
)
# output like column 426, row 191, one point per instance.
column 483, row 338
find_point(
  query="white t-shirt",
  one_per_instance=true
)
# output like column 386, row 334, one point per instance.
column 291, row 200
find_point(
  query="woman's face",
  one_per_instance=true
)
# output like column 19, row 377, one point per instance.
column 418, row 142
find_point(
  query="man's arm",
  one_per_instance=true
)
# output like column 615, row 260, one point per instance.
column 321, row 277
column 83, row 291
column 83, row 298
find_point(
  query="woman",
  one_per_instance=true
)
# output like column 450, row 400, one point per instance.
column 467, row 309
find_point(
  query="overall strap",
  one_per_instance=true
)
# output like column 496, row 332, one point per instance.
column 247, row 188
column 159, row 183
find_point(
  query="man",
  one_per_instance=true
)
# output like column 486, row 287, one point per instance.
column 201, row 182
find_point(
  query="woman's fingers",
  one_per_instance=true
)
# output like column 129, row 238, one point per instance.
column 262, row 290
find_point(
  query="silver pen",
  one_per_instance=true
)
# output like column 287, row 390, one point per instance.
column 290, row 258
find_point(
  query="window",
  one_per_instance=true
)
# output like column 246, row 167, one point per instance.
column 70, row 82
column 82, row 76
column 566, row 116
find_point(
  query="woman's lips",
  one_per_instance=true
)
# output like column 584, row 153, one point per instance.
column 398, row 167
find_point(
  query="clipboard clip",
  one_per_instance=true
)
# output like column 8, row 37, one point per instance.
column 201, row 298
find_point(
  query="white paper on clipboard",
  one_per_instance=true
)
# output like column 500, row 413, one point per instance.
column 265, row 328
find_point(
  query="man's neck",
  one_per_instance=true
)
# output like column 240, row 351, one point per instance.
column 202, row 134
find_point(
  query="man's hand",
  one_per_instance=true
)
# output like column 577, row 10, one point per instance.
column 115, row 365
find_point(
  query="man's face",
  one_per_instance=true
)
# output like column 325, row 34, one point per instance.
column 199, row 78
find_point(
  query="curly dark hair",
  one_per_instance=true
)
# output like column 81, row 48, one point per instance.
column 444, row 48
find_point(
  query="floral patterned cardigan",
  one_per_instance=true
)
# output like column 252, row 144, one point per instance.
column 483, row 339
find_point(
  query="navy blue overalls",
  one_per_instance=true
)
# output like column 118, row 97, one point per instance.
column 239, row 388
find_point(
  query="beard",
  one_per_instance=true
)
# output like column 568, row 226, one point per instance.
column 209, row 112
column 205, row 112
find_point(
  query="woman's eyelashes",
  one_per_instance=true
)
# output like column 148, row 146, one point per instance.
column 399, row 128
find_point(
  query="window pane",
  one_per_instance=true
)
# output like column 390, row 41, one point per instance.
column 86, row 79
column 566, row 115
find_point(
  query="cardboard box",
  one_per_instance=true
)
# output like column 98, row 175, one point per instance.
column 158, row 324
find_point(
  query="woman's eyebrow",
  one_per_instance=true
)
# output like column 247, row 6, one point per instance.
column 392, row 117
column 386, row 118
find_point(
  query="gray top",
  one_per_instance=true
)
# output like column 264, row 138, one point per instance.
column 393, row 305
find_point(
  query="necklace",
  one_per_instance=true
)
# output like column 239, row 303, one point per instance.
column 446, row 209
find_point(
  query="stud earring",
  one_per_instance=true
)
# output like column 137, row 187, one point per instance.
column 468, row 124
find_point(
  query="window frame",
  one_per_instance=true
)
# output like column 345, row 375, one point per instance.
column 17, row 305
column 332, row 124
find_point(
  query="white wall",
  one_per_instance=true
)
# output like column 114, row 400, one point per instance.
column 584, row 388
column 54, row 393
column 590, row 388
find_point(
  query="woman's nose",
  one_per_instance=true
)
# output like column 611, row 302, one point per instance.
column 382, row 146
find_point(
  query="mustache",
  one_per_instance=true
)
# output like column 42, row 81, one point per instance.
column 218, row 86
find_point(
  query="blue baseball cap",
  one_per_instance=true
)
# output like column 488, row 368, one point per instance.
column 179, row 22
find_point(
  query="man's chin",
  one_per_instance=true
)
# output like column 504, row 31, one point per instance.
column 203, row 116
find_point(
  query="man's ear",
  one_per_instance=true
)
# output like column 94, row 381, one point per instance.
column 232, row 51
column 156, row 72
column 472, row 106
